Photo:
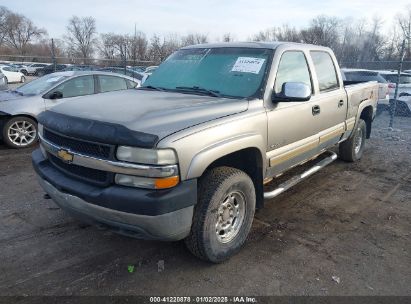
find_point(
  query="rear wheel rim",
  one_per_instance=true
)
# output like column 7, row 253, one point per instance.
column 230, row 216
column 22, row 133
column 23, row 79
column 358, row 141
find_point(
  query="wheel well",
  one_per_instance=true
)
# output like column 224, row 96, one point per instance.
column 250, row 161
column 366, row 115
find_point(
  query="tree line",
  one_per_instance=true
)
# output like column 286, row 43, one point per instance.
column 351, row 39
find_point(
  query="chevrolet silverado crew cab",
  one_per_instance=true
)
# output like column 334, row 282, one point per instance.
column 186, row 156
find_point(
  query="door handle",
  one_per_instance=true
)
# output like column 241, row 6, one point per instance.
column 316, row 110
column 340, row 103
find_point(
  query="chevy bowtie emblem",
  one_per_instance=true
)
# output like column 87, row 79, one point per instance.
column 65, row 156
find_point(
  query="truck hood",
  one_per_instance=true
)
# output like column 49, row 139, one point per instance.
column 152, row 112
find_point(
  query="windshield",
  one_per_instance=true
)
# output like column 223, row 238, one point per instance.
column 230, row 72
column 40, row 85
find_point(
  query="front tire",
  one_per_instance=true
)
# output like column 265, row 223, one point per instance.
column 223, row 215
column 352, row 149
column 20, row 132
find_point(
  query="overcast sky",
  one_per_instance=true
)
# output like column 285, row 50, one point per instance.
column 242, row 18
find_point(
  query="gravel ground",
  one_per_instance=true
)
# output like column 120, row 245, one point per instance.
column 343, row 231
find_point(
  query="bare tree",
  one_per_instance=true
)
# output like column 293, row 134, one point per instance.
column 4, row 12
column 20, row 32
column 404, row 21
column 228, row 37
column 323, row 30
column 81, row 36
column 194, row 38
column 280, row 33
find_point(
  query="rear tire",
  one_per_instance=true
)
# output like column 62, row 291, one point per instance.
column 223, row 215
column 20, row 132
column 23, row 79
column 352, row 149
column 6, row 81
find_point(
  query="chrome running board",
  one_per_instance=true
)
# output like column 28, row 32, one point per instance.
column 298, row 178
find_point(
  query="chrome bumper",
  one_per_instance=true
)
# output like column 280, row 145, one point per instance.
column 170, row 226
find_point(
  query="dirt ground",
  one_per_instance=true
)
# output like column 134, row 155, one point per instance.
column 343, row 231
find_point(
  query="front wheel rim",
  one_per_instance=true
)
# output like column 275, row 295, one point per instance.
column 358, row 141
column 230, row 216
column 22, row 133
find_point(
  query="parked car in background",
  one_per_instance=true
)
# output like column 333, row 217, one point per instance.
column 404, row 86
column 31, row 69
column 50, row 69
column 149, row 70
column 361, row 75
column 81, row 68
column 19, row 108
column 11, row 74
column 3, row 83
column 139, row 69
column 121, row 70
column 403, row 107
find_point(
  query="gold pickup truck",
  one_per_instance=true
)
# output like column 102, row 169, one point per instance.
column 186, row 155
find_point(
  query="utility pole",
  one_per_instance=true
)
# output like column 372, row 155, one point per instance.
column 393, row 106
column 53, row 54
column 134, row 45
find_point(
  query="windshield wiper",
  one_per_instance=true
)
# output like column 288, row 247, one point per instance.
column 201, row 90
column 153, row 87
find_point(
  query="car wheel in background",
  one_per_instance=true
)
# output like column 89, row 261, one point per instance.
column 23, row 79
column 402, row 109
column 20, row 132
column 24, row 72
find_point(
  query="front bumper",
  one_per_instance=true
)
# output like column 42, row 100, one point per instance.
column 145, row 214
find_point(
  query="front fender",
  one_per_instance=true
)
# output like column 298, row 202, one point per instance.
column 210, row 154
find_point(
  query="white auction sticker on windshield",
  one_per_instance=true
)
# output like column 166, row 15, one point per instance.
column 248, row 65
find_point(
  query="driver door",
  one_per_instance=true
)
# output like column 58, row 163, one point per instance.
column 292, row 133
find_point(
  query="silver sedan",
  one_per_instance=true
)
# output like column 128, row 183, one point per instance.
column 19, row 108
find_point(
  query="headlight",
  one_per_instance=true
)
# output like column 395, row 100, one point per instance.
column 146, row 182
column 147, row 156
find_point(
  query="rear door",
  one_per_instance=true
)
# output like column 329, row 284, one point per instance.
column 329, row 101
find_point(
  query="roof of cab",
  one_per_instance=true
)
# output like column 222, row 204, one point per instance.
column 257, row 45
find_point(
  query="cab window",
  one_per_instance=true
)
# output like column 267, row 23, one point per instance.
column 293, row 67
column 325, row 70
column 78, row 86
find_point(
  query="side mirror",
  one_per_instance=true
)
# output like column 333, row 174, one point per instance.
column 293, row 91
column 56, row 95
